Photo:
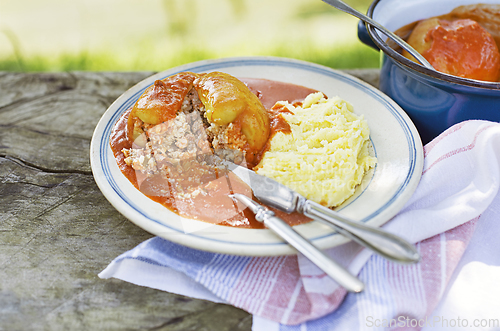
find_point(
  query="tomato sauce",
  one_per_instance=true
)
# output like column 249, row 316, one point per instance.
column 196, row 191
column 464, row 42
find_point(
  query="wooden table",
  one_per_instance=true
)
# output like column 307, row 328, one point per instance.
column 57, row 230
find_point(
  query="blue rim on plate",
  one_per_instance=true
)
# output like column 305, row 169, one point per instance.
column 383, row 193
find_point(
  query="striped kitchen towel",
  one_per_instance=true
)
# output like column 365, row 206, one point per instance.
column 452, row 218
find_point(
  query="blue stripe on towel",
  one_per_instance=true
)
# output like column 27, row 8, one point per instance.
column 221, row 275
column 164, row 253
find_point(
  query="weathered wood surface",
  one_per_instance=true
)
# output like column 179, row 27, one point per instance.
column 57, row 231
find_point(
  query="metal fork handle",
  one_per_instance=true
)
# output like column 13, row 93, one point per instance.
column 329, row 266
column 333, row 269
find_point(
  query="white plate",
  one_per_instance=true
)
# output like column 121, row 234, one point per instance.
column 383, row 193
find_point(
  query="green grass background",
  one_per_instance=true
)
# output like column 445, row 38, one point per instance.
column 156, row 35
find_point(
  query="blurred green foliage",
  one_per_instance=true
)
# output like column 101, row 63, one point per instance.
column 348, row 57
column 314, row 9
column 179, row 27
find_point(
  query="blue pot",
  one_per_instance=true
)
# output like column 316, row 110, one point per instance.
column 434, row 101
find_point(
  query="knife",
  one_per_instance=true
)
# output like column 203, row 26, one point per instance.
column 277, row 195
column 301, row 244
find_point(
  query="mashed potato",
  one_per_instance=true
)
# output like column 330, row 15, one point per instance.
column 326, row 154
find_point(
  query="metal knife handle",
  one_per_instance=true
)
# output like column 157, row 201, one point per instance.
column 382, row 242
column 329, row 266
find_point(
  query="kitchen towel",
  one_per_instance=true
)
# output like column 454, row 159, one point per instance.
column 452, row 218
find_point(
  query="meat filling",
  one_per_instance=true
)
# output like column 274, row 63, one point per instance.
column 187, row 136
